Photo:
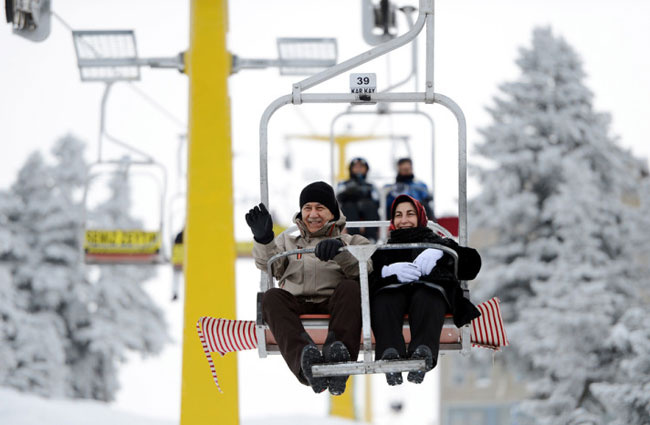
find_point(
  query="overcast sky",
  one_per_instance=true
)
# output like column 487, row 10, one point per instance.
column 42, row 97
column 476, row 43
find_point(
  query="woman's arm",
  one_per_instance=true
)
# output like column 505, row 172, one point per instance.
column 469, row 260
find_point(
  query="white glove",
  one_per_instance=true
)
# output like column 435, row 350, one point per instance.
column 406, row 272
column 427, row 260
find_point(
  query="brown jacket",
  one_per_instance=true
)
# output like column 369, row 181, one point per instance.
column 305, row 275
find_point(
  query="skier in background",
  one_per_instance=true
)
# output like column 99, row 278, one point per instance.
column 405, row 184
column 359, row 199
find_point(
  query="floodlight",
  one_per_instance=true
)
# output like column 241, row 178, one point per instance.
column 29, row 18
column 106, row 55
column 306, row 56
column 296, row 56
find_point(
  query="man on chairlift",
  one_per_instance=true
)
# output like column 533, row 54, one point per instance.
column 326, row 282
column 358, row 198
column 405, row 184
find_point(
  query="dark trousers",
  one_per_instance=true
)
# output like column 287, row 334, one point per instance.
column 361, row 210
column 281, row 311
column 426, row 308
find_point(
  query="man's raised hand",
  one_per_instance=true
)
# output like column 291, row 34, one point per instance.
column 261, row 224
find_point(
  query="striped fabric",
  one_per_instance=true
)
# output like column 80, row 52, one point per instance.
column 224, row 336
column 488, row 330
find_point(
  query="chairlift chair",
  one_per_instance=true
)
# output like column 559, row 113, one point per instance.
column 316, row 324
column 363, row 253
column 108, row 244
column 113, row 244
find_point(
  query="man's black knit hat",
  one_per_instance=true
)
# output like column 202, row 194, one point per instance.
column 322, row 193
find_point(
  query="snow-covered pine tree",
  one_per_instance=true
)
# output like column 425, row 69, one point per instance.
column 629, row 340
column 32, row 348
column 54, row 319
column 553, row 189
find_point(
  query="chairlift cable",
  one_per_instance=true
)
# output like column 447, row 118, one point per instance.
column 157, row 106
column 61, row 20
column 304, row 118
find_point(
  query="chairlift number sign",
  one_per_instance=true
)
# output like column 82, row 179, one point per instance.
column 363, row 83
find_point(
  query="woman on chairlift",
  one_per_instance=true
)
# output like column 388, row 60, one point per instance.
column 420, row 283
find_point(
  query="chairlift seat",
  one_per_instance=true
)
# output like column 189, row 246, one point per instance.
column 316, row 327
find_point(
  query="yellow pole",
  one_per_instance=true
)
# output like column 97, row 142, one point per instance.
column 367, row 414
column 343, row 405
column 210, row 243
column 342, row 143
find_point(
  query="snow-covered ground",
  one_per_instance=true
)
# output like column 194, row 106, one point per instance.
column 25, row 409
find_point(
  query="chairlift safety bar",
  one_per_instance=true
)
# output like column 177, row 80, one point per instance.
column 380, row 247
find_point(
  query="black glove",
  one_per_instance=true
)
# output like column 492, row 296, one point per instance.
column 327, row 249
column 261, row 223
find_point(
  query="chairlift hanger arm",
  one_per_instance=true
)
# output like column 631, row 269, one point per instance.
column 426, row 8
column 104, row 133
column 407, row 10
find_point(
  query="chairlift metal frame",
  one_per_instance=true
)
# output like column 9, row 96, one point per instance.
column 363, row 253
column 148, row 164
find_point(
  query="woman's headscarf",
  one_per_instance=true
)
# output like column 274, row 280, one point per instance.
column 419, row 211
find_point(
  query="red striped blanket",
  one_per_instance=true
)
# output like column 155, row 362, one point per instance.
column 224, row 336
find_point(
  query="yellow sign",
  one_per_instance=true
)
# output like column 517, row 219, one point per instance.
column 178, row 254
column 122, row 242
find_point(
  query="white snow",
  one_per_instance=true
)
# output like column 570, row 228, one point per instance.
column 25, row 409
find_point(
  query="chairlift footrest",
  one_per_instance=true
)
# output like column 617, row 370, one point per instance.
column 361, row 368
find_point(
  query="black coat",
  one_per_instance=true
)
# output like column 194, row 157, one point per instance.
column 442, row 275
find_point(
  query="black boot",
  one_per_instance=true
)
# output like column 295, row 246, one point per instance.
column 421, row 352
column 392, row 378
column 309, row 357
column 336, row 352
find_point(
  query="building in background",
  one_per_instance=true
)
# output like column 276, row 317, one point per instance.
column 482, row 392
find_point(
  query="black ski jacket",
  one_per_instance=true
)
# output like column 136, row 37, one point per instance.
column 441, row 277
